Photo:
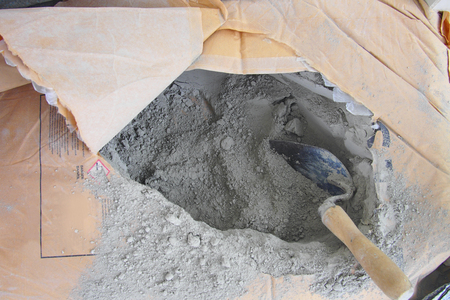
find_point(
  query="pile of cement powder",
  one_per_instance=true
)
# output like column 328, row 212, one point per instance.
column 208, row 152
column 151, row 247
column 203, row 143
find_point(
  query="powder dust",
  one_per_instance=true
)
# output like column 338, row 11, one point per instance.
column 202, row 205
column 208, row 152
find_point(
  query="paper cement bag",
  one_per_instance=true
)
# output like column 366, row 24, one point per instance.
column 388, row 56
column 49, row 223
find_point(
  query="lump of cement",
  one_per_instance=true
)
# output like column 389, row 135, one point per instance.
column 280, row 110
column 227, row 143
column 295, row 126
column 193, row 240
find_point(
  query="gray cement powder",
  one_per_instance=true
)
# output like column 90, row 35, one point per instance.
column 203, row 205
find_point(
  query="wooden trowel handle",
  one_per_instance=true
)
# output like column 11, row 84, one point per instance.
column 383, row 271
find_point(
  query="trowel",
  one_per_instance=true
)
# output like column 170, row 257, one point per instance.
column 330, row 174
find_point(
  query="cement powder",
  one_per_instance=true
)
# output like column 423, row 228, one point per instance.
column 207, row 151
column 228, row 208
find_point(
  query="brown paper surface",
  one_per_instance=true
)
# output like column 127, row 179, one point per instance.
column 247, row 53
column 388, row 55
column 445, row 26
column 426, row 232
column 26, row 73
column 49, row 225
column 10, row 77
column 109, row 62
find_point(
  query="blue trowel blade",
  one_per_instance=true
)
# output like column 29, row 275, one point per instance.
column 314, row 163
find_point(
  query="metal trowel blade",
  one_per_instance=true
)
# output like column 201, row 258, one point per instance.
column 316, row 164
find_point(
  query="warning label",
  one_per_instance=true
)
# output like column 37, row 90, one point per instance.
column 60, row 139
